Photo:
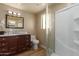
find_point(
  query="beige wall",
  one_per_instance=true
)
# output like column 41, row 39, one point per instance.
column 40, row 33
column 29, row 18
column 51, row 35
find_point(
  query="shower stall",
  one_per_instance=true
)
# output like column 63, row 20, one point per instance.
column 62, row 35
column 67, row 31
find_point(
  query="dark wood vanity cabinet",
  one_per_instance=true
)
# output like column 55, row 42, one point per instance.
column 11, row 45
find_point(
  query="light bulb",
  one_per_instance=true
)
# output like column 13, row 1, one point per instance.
column 19, row 14
column 10, row 12
column 14, row 13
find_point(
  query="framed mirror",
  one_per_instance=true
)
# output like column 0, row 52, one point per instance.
column 14, row 22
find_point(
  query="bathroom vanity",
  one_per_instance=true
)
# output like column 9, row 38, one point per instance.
column 14, row 40
column 14, row 43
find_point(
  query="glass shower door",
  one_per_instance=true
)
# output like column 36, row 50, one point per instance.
column 50, row 36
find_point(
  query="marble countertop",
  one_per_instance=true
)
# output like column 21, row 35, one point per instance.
column 6, row 34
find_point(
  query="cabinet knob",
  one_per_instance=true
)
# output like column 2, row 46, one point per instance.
column 3, row 39
column 3, row 44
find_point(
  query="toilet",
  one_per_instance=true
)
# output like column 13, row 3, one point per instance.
column 34, row 41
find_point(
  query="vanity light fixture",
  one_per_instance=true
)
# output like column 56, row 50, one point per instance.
column 13, row 13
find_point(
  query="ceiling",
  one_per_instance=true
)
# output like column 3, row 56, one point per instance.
column 29, row 7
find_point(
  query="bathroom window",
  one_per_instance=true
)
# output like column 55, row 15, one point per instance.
column 44, row 21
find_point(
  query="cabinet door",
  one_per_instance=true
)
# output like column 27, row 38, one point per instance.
column 12, row 43
column 3, row 46
column 28, row 41
column 0, row 43
column 21, row 43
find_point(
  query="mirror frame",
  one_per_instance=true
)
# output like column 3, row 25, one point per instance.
column 6, row 22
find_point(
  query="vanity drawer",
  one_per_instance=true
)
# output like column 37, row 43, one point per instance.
column 27, row 37
column 0, row 49
column 27, row 40
column 13, row 49
column 0, row 44
column 5, row 39
column 1, row 39
column 4, row 44
column 4, row 49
